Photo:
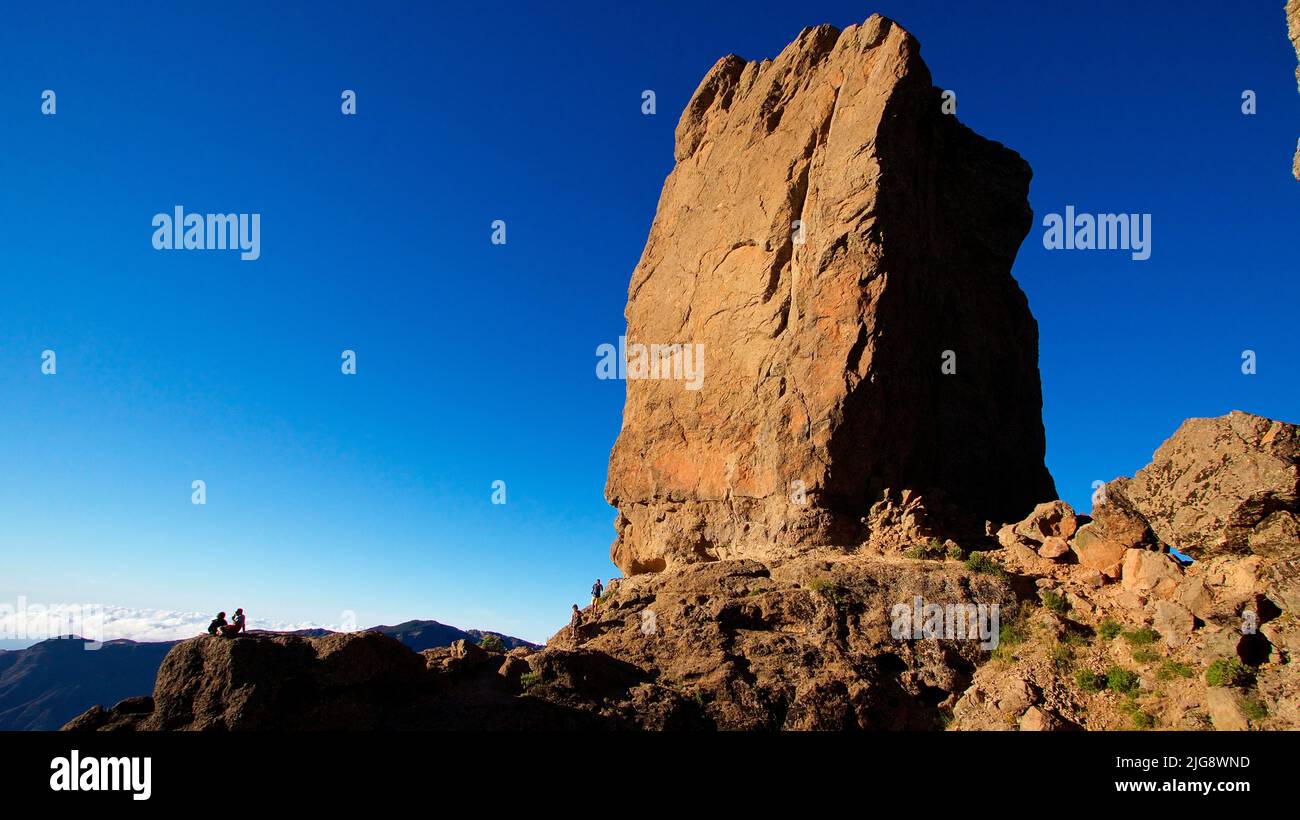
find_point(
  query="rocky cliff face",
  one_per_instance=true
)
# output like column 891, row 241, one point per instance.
column 828, row 236
column 1293, row 31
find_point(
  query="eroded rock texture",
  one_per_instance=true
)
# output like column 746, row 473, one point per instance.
column 823, row 347
column 1293, row 31
column 1221, row 485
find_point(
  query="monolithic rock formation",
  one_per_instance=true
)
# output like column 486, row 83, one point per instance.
column 832, row 238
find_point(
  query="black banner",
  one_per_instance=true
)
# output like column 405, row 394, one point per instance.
column 137, row 772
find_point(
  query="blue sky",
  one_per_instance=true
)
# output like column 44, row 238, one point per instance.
column 476, row 362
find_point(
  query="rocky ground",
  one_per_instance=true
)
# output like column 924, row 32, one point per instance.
column 1100, row 628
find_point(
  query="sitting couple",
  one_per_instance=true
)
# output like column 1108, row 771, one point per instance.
column 220, row 627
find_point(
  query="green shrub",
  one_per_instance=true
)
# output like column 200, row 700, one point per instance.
column 1089, row 681
column 930, row 551
column 1146, row 656
column 1055, row 602
column 1108, row 628
column 529, row 679
column 1075, row 638
column 1173, row 669
column 1228, row 672
column 1141, row 720
column 492, row 643
column 830, row 589
column 1142, row 637
column 1254, row 708
column 979, row 562
column 1010, row 633
column 1062, row 657
column 1121, row 680
column 956, row 553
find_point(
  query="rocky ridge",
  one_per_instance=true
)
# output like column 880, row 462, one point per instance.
column 1085, row 638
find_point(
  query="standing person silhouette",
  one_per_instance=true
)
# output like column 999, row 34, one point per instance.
column 574, row 623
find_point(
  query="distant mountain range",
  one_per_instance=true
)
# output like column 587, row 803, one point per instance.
column 49, row 683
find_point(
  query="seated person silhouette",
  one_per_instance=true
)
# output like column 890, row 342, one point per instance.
column 235, row 628
column 218, row 623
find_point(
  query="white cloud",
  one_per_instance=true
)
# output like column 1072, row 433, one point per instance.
column 33, row 621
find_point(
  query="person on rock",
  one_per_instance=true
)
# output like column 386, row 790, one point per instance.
column 236, row 627
column 218, row 623
column 596, row 591
column 575, row 622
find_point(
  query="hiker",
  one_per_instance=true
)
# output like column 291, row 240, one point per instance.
column 218, row 623
column 236, row 627
column 575, row 622
column 596, row 591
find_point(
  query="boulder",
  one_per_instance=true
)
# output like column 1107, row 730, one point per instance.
column 1054, row 548
column 1037, row 720
column 1150, row 573
column 1225, row 710
column 1173, row 621
column 1097, row 552
column 467, row 654
column 1092, row 579
column 1194, row 595
column 1120, row 523
column 1009, row 538
column 512, row 668
column 1047, row 520
column 833, row 253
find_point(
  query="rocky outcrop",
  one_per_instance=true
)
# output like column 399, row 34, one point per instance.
column 804, row 644
column 1221, row 485
column 830, row 239
column 1293, row 31
column 354, row 681
column 277, row 682
column 1129, row 619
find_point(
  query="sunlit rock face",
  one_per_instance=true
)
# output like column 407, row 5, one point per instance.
column 838, row 248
